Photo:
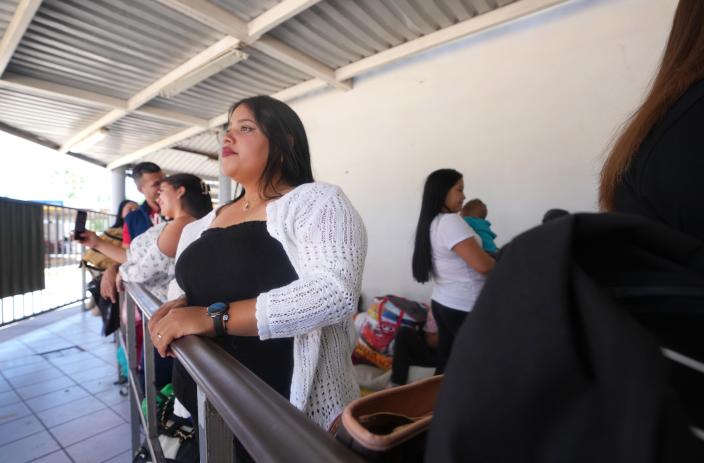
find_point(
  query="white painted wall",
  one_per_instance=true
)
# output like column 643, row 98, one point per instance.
column 525, row 111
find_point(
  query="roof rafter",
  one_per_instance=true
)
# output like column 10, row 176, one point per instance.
column 140, row 98
column 228, row 23
column 275, row 16
column 75, row 95
column 26, row 9
column 213, row 124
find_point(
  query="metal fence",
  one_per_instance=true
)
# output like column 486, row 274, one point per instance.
column 65, row 280
column 232, row 401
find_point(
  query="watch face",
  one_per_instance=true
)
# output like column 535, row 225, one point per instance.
column 217, row 308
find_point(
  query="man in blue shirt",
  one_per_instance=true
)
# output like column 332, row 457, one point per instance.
column 147, row 176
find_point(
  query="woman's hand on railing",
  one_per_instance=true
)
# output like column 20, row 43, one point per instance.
column 177, row 323
column 163, row 310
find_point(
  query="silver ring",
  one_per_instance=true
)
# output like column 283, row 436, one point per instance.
column 158, row 336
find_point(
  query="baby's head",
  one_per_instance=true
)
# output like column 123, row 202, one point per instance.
column 474, row 208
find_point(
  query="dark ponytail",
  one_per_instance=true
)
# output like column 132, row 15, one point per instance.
column 437, row 185
column 196, row 197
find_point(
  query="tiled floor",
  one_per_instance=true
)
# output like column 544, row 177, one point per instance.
column 57, row 398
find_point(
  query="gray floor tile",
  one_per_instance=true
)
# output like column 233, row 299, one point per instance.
column 102, row 447
column 8, row 397
column 104, row 349
column 4, row 386
column 70, row 411
column 55, row 345
column 39, row 376
column 86, row 426
column 56, row 457
column 101, row 384
column 13, row 352
column 46, row 387
column 29, row 448
column 82, row 366
column 73, row 357
column 111, row 396
column 104, row 371
column 88, row 344
column 35, row 336
column 26, row 369
column 19, row 428
column 6, row 365
column 123, row 409
column 13, row 411
column 47, row 401
column 125, row 457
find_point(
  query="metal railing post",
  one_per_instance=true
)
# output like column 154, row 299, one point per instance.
column 215, row 442
column 131, row 347
column 83, row 286
column 149, row 378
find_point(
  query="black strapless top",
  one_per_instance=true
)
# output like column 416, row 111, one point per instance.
column 236, row 263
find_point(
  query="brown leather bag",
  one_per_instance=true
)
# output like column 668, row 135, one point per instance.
column 390, row 425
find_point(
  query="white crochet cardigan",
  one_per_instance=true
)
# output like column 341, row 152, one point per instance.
column 325, row 240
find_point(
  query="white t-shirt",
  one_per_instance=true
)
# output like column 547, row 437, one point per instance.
column 456, row 284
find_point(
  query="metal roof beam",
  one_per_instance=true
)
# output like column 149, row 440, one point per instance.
column 222, row 46
column 465, row 28
column 161, row 144
column 299, row 60
column 74, row 95
column 175, row 116
column 228, row 23
column 276, row 15
column 24, row 13
column 63, row 92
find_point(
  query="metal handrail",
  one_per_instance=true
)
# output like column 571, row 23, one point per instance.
column 266, row 424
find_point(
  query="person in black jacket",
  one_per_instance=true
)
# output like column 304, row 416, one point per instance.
column 656, row 170
column 656, row 166
column 556, row 365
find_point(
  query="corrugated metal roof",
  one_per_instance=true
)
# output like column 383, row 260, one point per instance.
column 246, row 9
column 112, row 47
column 257, row 75
column 7, row 10
column 207, row 142
column 52, row 119
column 118, row 47
column 176, row 161
column 129, row 134
column 339, row 32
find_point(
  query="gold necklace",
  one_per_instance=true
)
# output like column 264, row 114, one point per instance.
column 247, row 205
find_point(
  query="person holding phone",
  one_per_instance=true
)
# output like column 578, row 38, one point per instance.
column 149, row 260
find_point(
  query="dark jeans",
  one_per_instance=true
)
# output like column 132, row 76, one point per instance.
column 449, row 322
column 410, row 348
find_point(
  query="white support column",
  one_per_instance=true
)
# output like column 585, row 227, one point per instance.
column 118, row 186
column 224, row 185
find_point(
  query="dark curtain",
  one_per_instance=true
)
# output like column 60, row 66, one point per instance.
column 21, row 247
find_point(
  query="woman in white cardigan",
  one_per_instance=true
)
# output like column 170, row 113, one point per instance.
column 323, row 243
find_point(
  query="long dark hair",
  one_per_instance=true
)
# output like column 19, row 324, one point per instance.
column 196, row 197
column 437, row 185
column 119, row 220
column 682, row 65
column 289, row 154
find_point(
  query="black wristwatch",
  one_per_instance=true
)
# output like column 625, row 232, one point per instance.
column 218, row 312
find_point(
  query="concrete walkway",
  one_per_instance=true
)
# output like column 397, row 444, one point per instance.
column 57, row 398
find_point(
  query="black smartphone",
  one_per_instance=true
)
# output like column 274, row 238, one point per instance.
column 80, row 227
